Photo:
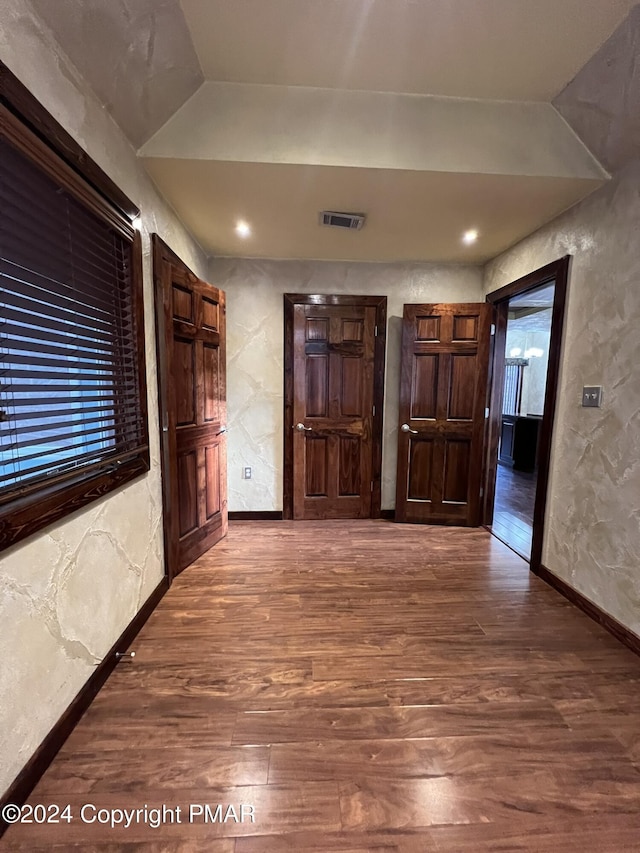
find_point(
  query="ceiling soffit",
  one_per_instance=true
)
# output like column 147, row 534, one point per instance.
column 276, row 156
column 289, row 124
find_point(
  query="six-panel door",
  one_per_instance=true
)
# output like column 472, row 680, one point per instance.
column 445, row 356
column 195, row 334
column 332, row 410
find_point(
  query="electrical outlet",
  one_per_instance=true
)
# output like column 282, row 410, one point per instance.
column 592, row 396
column 247, row 473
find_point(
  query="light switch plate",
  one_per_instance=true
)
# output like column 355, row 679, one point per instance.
column 592, row 396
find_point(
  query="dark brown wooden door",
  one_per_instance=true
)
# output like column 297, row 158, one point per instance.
column 445, row 360
column 333, row 395
column 191, row 351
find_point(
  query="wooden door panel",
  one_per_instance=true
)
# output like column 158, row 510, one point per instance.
column 316, row 465
column 352, row 331
column 420, row 465
column 191, row 357
column 425, row 383
column 188, row 488
column 349, row 392
column 210, row 314
column 184, row 354
column 465, row 328
column 317, row 329
column 317, row 397
column 333, row 398
column 462, row 379
column 212, row 481
column 211, row 383
column 457, row 459
column 182, row 304
column 349, row 479
column 427, row 327
column 445, row 351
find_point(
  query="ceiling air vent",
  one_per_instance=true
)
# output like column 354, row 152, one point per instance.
column 333, row 219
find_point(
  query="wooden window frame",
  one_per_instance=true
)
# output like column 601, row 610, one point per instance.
column 34, row 132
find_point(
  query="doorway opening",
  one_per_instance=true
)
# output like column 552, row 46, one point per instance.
column 529, row 318
column 527, row 340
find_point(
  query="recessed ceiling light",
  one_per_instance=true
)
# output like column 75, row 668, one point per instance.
column 470, row 237
column 243, row 229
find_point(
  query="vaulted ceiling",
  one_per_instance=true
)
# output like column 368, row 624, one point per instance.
column 430, row 117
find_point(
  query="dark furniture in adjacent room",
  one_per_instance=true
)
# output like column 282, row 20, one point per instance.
column 519, row 441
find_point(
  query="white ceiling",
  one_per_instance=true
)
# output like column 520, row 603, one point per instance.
column 538, row 320
column 500, row 49
column 411, row 215
column 276, row 154
column 539, row 297
column 531, row 311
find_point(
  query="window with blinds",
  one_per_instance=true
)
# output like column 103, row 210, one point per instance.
column 71, row 372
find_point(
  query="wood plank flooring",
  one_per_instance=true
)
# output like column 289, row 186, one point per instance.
column 513, row 510
column 364, row 686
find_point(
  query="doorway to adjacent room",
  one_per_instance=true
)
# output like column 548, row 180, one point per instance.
column 529, row 318
column 528, row 337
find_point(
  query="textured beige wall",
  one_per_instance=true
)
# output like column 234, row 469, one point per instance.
column 68, row 593
column 136, row 55
column 601, row 102
column 592, row 537
column 592, row 533
column 255, row 353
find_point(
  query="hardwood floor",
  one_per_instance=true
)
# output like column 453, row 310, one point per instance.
column 513, row 509
column 364, row 686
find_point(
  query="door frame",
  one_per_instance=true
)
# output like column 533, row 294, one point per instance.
column 557, row 272
column 162, row 254
column 380, row 304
